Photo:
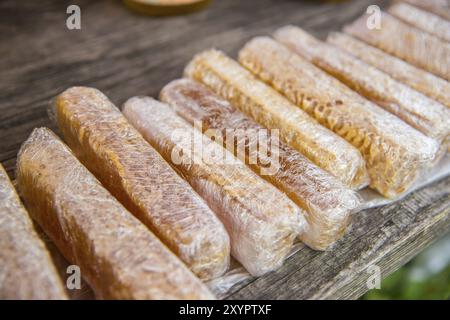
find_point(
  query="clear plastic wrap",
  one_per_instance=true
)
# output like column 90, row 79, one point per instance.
column 26, row 268
column 418, row 79
column 262, row 221
column 371, row 199
column 416, row 109
column 396, row 154
column 270, row 109
column 438, row 7
column 405, row 42
column 328, row 201
column 117, row 255
column 142, row 180
column 421, row 19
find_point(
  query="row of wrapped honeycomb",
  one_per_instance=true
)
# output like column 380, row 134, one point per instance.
column 150, row 206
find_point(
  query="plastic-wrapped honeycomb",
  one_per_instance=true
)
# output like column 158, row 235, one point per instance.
column 328, row 201
column 262, row 221
column 405, row 42
column 270, row 109
column 26, row 268
column 416, row 109
column 421, row 19
column 418, row 79
column 117, row 255
column 138, row 176
column 437, row 7
column 395, row 153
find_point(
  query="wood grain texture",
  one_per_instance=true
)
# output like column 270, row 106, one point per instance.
column 126, row 54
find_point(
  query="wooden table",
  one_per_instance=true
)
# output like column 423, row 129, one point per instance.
column 126, row 54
